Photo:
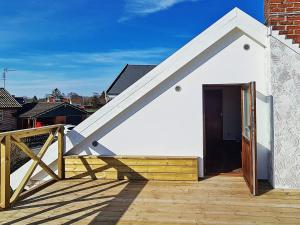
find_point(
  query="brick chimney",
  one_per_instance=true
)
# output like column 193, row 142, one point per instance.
column 284, row 16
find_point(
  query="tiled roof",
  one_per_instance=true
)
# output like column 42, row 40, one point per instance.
column 129, row 75
column 37, row 109
column 7, row 101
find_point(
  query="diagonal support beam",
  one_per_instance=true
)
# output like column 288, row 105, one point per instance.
column 28, row 152
column 29, row 173
column 5, row 171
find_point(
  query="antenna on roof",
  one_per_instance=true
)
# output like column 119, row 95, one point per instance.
column 4, row 75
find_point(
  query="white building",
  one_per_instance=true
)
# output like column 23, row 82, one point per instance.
column 233, row 89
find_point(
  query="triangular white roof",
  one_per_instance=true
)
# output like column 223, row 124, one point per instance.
column 236, row 19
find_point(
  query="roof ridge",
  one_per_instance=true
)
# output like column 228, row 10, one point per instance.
column 33, row 110
column 142, row 64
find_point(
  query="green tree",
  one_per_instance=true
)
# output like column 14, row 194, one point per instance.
column 35, row 99
column 57, row 94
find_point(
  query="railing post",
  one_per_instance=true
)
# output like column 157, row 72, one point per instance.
column 61, row 147
column 5, row 171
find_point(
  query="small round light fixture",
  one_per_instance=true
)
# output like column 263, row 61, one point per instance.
column 246, row 47
column 95, row 143
column 178, row 88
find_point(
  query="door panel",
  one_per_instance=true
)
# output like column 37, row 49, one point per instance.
column 249, row 136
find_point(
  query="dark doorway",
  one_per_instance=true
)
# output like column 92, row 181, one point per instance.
column 222, row 127
column 213, row 116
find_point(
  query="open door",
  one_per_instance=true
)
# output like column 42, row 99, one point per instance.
column 249, row 136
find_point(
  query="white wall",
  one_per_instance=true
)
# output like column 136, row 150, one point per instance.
column 166, row 122
column 285, row 71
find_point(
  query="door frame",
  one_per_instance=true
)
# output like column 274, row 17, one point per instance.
column 204, row 87
column 252, row 141
column 253, row 131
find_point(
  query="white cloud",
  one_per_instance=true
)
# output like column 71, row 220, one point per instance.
column 81, row 72
column 75, row 60
column 145, row 7
column 44, row 82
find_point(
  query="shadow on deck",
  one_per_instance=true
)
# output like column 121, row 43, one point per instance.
column 215, row 200
column 70, row 201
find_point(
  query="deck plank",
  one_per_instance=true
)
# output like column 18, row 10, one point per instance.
column 216, row 200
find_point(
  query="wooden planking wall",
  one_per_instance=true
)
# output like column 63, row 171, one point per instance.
column 9, row 120
column 132, row 167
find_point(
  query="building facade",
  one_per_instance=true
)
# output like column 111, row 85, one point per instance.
column 230, row 97
column 8, row 108
column 40, row 114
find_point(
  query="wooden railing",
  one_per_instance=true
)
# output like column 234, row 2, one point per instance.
column 8, row 196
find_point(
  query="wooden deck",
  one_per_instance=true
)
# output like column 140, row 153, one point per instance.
column 215, row 200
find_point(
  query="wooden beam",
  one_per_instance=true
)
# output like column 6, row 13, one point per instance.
column 60, row 160
column 29, row 173
column 31, row 132
column 5, row 171
column 28, row 152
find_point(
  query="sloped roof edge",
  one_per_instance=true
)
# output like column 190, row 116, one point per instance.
column 120, row 74
column 235, row 19
column 52, row 107
column 7, row 100
column 129, row 75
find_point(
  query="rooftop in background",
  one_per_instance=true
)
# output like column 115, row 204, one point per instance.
column 129, row 75
column 7, row 100
column 20, row 100
column 37, row 109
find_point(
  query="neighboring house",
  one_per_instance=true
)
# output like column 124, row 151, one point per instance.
column 230, row 97
column 53, row 99
column 42, row 114
column 76, row 100
column 8, row 108
column 128, row 76
column 20, row 100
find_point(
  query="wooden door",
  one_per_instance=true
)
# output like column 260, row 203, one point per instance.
column 249, row 136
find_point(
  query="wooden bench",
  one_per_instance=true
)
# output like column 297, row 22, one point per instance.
column 132, row 167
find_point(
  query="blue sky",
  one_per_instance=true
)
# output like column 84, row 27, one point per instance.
column 81, row 45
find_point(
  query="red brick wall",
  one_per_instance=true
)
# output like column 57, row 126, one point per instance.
column 284, row 15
